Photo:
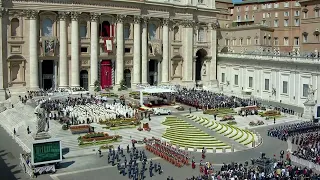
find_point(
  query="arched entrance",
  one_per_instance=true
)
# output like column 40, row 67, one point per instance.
column 47, row 71
column 105, row 29
column 127, row 77
column 84, row 79
column 153, row 72
column 106, row 74
column 201, row 54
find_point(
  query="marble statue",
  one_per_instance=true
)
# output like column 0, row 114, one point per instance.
column 311, row 92
column 41, row 119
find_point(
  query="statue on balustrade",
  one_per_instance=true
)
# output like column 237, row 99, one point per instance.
column 41, row 119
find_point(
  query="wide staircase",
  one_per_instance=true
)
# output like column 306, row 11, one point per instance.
column 242, row 136
column 186, row 135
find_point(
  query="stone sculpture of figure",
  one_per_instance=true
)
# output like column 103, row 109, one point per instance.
column 311, row 92
column 41, row 119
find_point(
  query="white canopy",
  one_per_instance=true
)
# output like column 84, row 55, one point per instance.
column 157, row 90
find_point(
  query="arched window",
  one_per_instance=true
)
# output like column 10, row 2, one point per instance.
column 201, row 35
column 83, row 30
column 176, row 33
column 15, row 27
column 47, row 27
column 152, row 31
column 127, row 31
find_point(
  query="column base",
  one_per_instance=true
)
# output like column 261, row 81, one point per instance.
column 33, row 89
column 164, row 82
column 189, row 84
column 3, row 95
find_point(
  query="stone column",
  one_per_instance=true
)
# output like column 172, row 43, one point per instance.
column 165, row 53
column 40, row 73
column 120, row 49
column 63, row 49
column 144, row 46
column 213, row 63
column 75, row 56
column 137, row 51
column 94, row 50
column 55, row 70
column 3, row 57
column 33, row 50
column 188, row 52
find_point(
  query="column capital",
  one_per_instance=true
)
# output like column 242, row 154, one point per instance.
column 166, row 21
column 137, row 19
column 63, row 15
column 120, row 18
column 145, row 19
column 3, row 11
column 74, row 15
column 94, row 16
column 213, row 26
column 188, row 23
column 32, row 14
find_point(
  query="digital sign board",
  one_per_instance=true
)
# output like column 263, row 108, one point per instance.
column 46, row 151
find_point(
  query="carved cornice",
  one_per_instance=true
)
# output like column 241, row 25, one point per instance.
column 120, row 18
column 94, row 17
column 62, row 16
column 188, row 23
column 3, row 11
column 74, row 16
column 31, row 14
column 136, row 19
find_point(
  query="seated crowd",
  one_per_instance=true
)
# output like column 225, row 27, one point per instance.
column 280, row 170
column 209, row 100
column 285, row 131
column 308, row 146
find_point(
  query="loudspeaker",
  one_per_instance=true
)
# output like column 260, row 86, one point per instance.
column 315, row 120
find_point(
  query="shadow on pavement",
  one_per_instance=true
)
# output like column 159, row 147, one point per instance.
column 7, row 172
column 66, row 164
column 65, row 151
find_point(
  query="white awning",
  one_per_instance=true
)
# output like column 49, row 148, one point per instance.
column 157, row 90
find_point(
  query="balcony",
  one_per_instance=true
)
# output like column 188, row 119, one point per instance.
column 16, row 40
column 306, row 58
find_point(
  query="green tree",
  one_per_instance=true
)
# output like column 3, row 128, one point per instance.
column 97, row 87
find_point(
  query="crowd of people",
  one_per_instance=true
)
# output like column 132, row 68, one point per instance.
column 308, row 146
column 285, row 131
column 209, row 100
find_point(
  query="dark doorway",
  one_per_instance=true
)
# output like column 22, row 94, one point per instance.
column 105, row 30
column 201, row 54
column 84, row 79
column 127, row 77
column 153, row 72
column 47, row 67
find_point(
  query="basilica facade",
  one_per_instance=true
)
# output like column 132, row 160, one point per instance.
column 60, row 44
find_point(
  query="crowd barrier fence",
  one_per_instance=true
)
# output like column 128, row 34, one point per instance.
column 305, row 163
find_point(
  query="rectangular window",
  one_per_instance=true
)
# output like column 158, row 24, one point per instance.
column 264, row 15
column 266, row 85
column 276, row 5
column 246, row 17
column 296, row 13
column 250, row 82
column 305, row 38
column 276, row 41
column 297, row 3
column 84, row 49
column 276, row 23
column 255, row 7
column 238, row 9
column 127, row 50
column 305, row 15
column 286, row 41
column 276, row 14
column 236, row 79
column 223, row 76
column 234, row 42
column 227, row 42
column 269, row 6
column 297, row 22
column 263, row 6
column 286, row 14
column 305, row 89
column 248, row 41
column 316, row 13
column 296, row 41
column 241, row 41
column 238, row 18
column 286, row 4
column 268, row 15
column 286, row 22
column 285, row 87
column 247, row 8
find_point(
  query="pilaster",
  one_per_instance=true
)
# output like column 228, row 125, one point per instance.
column 136, row 51
column 165, row 61
column 120, row 50
column 188, row 51
column 144, row 46
column 63, row 49
column 75, row 56
column 94, row 50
